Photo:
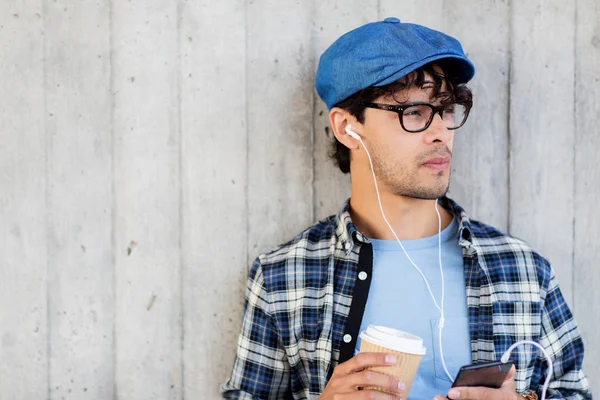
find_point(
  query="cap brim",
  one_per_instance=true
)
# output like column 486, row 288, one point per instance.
column 458, row 66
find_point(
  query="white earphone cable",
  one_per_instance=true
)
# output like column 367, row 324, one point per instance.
column 506, row 356
column 441, row 309
column 442, row 319
column 507, row 353
column 392, row 229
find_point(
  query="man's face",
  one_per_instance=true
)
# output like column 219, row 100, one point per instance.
column 409, row 164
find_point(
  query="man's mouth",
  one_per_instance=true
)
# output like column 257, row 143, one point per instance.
column 439, row 163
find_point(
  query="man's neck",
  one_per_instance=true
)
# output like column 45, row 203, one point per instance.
column 410, row 218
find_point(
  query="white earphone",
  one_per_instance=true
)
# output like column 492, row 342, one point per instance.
column 350, row 132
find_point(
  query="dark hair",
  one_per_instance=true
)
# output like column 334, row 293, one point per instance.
column 354, row 104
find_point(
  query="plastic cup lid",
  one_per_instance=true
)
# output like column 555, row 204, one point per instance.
column 394, row 339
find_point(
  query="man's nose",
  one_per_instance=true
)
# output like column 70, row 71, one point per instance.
column 438, row 131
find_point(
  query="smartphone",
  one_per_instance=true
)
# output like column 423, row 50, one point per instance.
column 488, row 374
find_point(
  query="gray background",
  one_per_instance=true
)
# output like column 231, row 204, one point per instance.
column 150, row 149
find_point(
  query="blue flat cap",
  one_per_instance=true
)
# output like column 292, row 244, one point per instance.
column 380, row 53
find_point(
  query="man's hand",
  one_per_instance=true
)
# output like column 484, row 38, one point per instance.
column 506, row 392
column 348, row 377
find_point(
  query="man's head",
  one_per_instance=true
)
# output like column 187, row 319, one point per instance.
column 387, row 64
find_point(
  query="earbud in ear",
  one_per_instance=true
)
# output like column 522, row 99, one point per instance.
column 350, row 132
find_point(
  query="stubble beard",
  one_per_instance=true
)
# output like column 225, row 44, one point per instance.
column 402, row 180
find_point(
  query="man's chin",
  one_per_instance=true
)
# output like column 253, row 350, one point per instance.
column 424, row 193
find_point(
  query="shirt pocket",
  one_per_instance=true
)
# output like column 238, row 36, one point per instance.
column 456, row 342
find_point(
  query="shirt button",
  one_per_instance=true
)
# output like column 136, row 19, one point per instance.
column 347, row 338
column 362, row 275
column 347, row 246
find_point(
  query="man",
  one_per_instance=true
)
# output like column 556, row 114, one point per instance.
column 400, row 253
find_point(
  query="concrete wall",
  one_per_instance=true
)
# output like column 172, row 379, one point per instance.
column 150, row 149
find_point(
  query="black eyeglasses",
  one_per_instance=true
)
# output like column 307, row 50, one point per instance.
column 417, row 117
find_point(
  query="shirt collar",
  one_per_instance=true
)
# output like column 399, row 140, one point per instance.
column 465, row 237
column 346, row 231
column 348, row 235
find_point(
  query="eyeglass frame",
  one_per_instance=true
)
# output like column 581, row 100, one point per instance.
column 399, row 109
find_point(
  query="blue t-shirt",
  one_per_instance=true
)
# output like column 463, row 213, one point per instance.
column 398, row 298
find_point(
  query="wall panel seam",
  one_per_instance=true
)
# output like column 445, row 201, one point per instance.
column 246, row 123
column 113, row 196
column 574, row 173
column 180, row 205
column 47, row 196
column 508, row 118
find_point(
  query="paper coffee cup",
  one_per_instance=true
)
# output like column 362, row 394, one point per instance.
column 407, row 347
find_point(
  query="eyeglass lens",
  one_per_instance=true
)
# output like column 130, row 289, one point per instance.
column 416, row 117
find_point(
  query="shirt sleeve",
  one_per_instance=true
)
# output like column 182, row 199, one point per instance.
column 561, row 338
column 261, row 369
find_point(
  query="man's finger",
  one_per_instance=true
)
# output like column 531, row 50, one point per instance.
column 511, row 375
column 365, row 360
column 471, row 393
column 509, row 382
column 368, row 378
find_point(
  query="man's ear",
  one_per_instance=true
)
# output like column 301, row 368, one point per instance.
column 339, row 119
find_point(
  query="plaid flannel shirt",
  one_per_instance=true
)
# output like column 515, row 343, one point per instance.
column 304, row 305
